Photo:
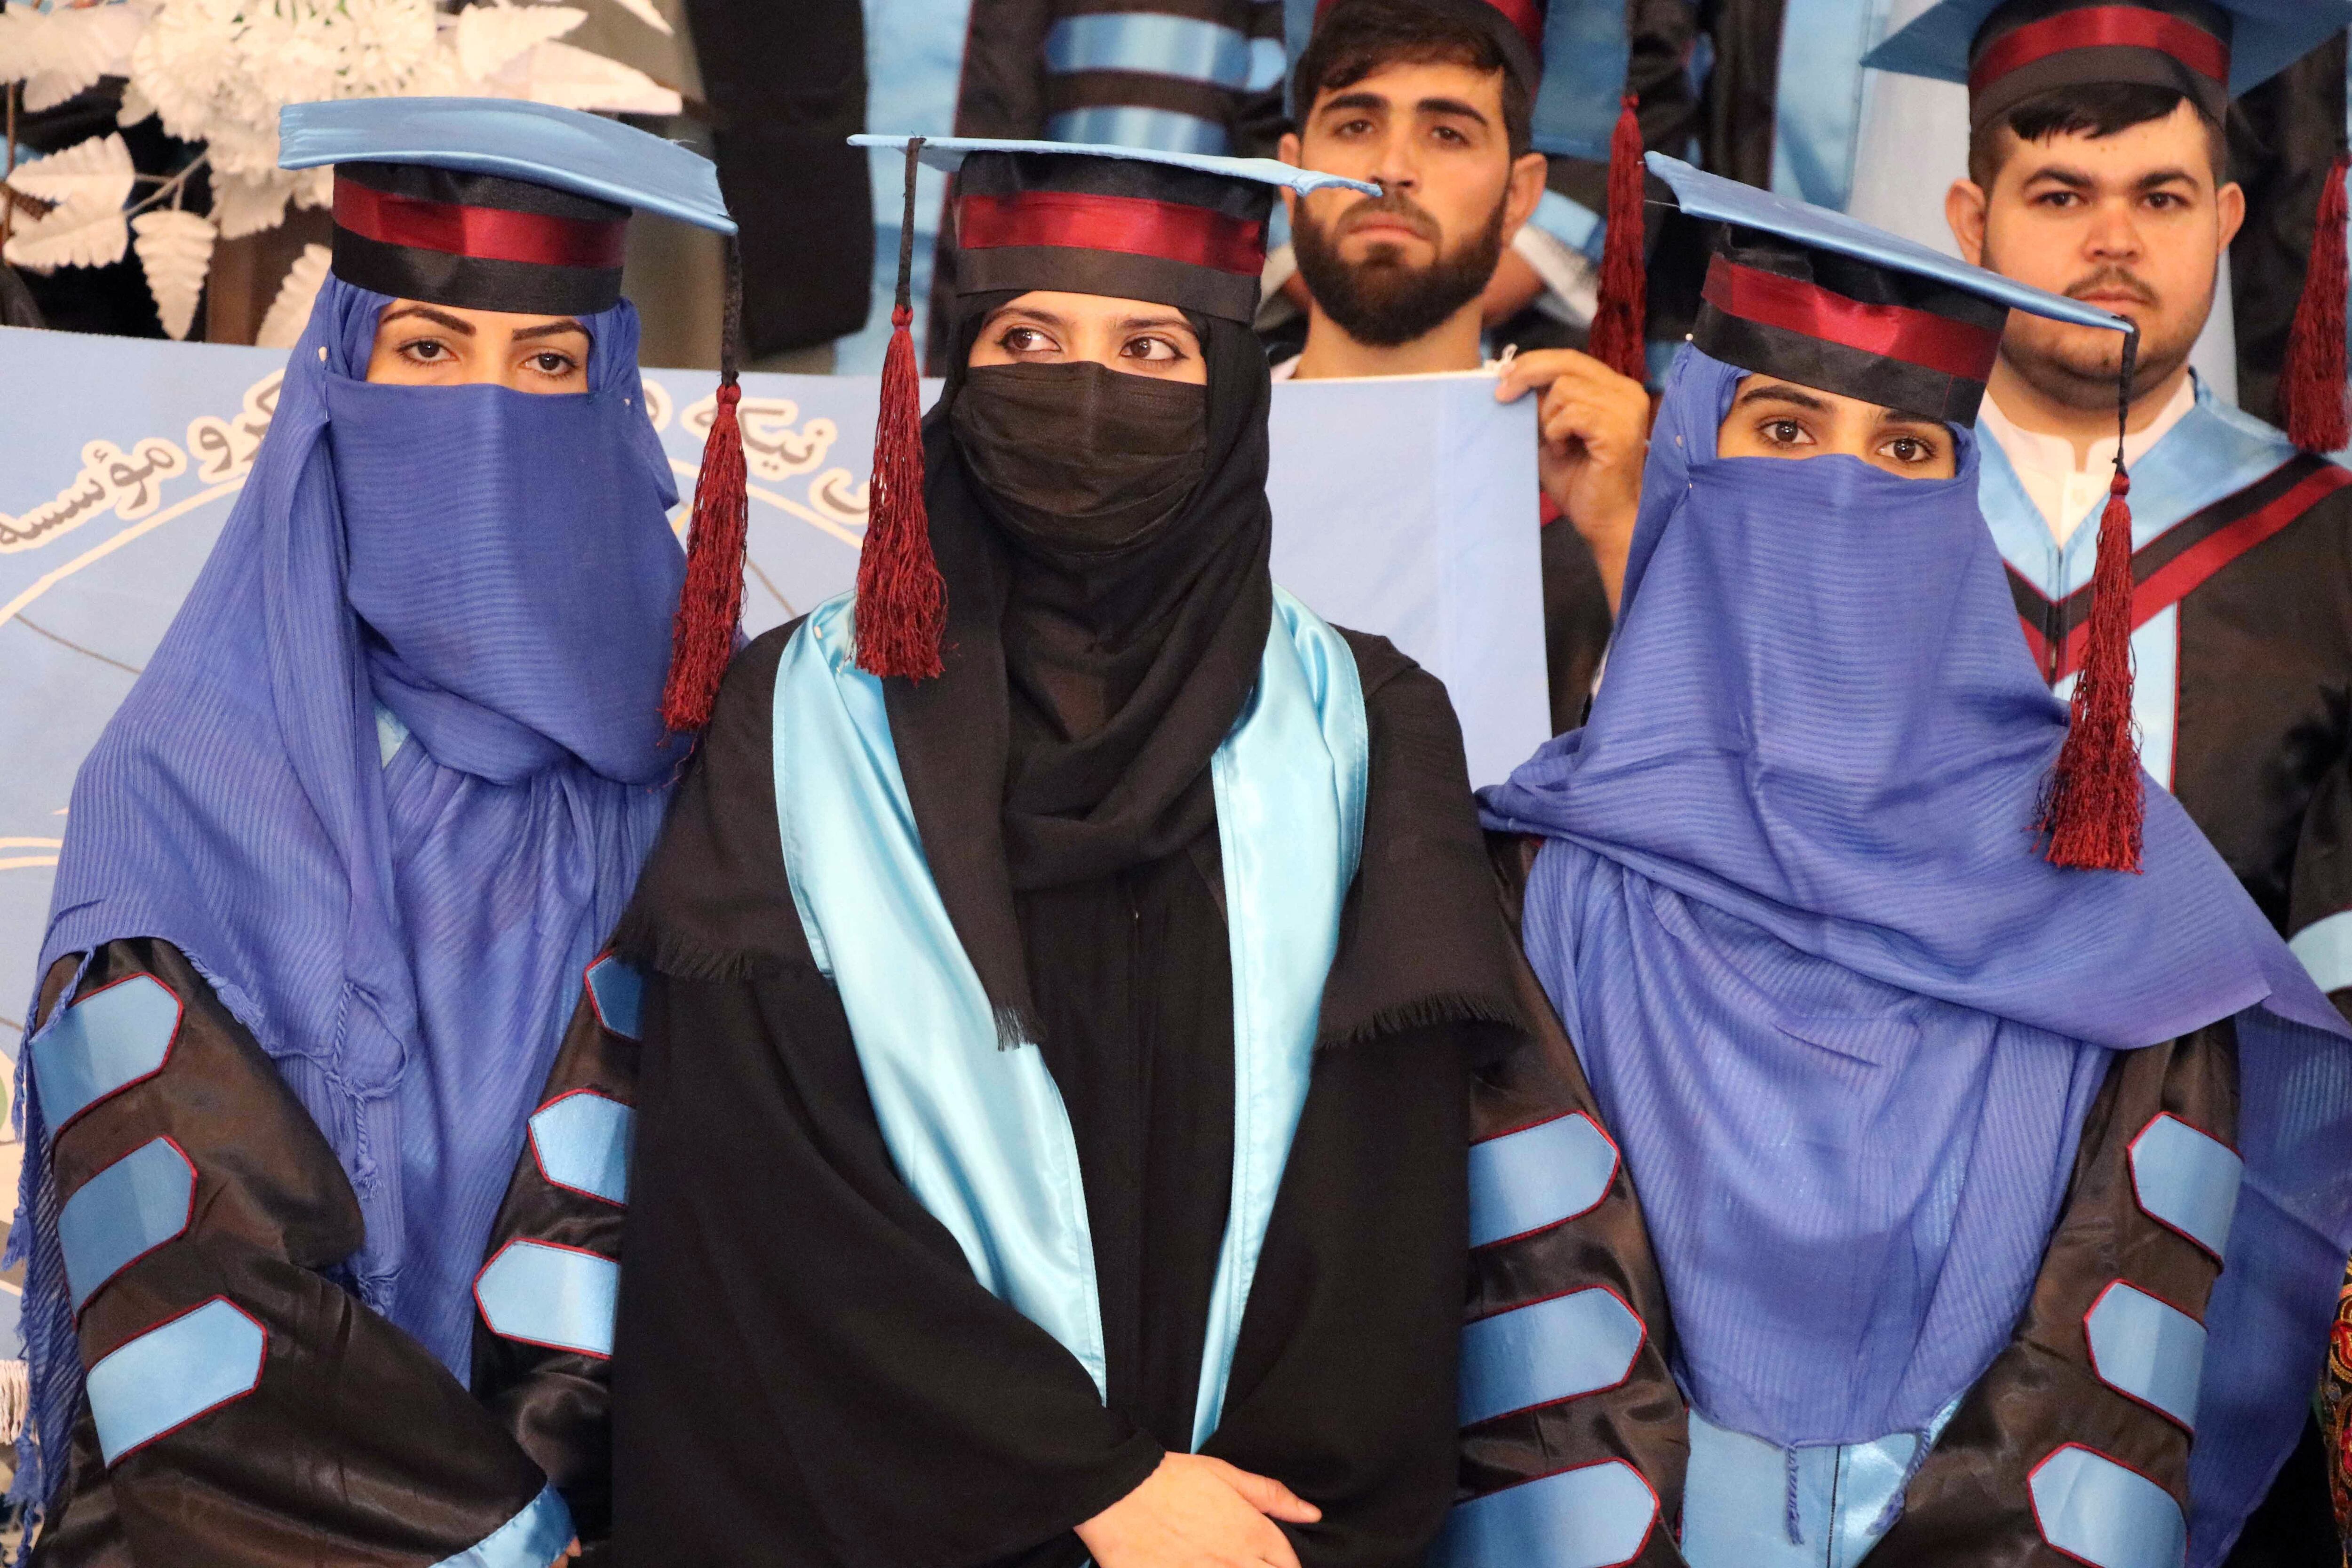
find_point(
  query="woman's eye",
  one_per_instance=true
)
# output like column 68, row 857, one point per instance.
column 552, row 364
column 426, row 350
column 1158, row 348
column 1783, row 432
column 1910, row 449
column 1025, row 340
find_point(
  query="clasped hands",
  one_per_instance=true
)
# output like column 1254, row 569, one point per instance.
column 1197, row 1512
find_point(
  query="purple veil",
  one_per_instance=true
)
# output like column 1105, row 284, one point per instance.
column 1843, row 1017
column 404, row 938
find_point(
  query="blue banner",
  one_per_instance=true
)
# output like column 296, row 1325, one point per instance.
column 1404, row 506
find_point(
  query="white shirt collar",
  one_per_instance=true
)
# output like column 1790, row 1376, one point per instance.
column 2063, row 490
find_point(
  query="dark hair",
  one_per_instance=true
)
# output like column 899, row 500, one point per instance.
column 1364, row 35
column 2092, row 109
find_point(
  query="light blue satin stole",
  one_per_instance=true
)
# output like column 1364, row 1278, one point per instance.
column 970, row 1112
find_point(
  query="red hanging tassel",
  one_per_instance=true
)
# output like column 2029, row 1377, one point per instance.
column 702, row 636
column 1619, row 323
column 902, row 600
column 2091, row 807
column 2310, row 387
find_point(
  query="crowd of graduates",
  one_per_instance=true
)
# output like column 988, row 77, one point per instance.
column 1045, row 1059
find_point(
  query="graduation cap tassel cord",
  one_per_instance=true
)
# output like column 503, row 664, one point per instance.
column 902, row 600
column 2092, row 806
column 1621, row 318
column 702, row 637
column 2312, row 385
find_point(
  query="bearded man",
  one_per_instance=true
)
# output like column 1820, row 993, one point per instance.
column 1430, row 99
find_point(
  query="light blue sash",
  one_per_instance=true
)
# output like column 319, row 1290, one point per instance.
column 969, row 1114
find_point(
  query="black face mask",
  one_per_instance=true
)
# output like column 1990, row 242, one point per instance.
column 1081, row 459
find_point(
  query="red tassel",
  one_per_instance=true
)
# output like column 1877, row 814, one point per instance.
column 1621, row 319
column 2310, row 387
column 702, row 636
column 2091, row 808
column 902, row 600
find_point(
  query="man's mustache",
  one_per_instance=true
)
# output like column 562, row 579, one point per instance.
column 1393, row 204
column 2112, row 279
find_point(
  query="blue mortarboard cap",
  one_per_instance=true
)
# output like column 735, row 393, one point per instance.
column 2009, row 50
column 491, row 204
column 1831, row 302
column 533, row 144
column 1181, row 228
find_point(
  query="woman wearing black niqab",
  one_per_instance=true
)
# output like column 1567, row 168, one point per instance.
column 1057, row 1068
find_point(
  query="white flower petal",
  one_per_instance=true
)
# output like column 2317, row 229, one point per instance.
column 69, row 237
column 574, row 79
column 95, row 174
column 290, row 312
column 176, row 249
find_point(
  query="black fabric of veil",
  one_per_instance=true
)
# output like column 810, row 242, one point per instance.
column 1096, row 687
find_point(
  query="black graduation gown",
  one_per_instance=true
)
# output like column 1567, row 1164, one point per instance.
column 352, row 1446
column 2261, row 754
column 810, row 1374
column 1968, row 1504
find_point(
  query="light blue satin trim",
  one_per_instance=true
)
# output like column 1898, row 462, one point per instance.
column 618, row 993
column 1571, row 222
column 2187, row 1180
column 2214, row 451
column 1132, row 125
column 123, row 1213
column 172, row 1373
column 2325, row 948
column 2147, row 1350
column 2096, row 1511
column 1593, row 1517
column 974, row 1122
column 557, row 1296
column 1540, row 1354
column 531, row 1539
column 581, row 1140
column 2156, row 692
column 1817, row 104
column 1737, row 1497
column 390, row 733
column 1538, row 1176
column 102, row 1045
column 1585, row 51
column 1290, row 781
column 1151, row 42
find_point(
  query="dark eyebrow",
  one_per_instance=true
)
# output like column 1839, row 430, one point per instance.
column 458, row 324
column 1025, row 313
column 1450, row 106
column 1354, row 101
column 2150, row 180
column 550, row 328
column 1781, row 392
column 1147, row 324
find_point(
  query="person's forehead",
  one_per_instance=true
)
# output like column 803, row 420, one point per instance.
column 2178, row 142
column 1404, row 84
column 1779, row 390
column 1069, row 306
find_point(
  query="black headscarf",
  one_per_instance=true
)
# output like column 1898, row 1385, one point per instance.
column 1153, row 649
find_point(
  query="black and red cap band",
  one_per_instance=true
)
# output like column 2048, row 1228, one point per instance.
column 476, row 241
column 2033, row 46
column 1133, row 230
column 1846, row 326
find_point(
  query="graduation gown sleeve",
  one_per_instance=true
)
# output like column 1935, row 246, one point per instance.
column 242, row 1409
column 568, row 1194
